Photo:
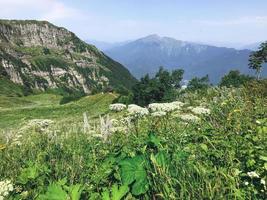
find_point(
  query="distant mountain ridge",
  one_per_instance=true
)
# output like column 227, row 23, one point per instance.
column 40, row 55
column 103, row 46
column 145, row 55
column 252, row 47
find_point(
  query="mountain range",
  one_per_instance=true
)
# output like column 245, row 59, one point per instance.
column 146, row 55
column 39, row 56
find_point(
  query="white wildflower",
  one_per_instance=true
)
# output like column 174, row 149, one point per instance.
column 158, row 114
column 200, row 110
column 165, row 107
column 246, row 183
column 86, row 125
column 253, row 174
column 105, row 127
column 43, row 123
column 117, row 107
column 137, row 111
column 178, row 104
column 16, row 140
column 5, row 188
column 189, row 118
column 115, row 122
column 190, row 107
column 40, row 124
column 263, row 182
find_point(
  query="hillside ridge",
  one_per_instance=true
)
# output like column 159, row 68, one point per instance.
column 40, row 55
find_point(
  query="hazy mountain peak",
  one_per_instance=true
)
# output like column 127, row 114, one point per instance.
column 146, row 54
column 150, row 39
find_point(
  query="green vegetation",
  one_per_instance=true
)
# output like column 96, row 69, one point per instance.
column 8, row 88
column 198, row 83
column 235, row 79
column 84, row 66
column 17, row 111
column 204, row 142
column 160, row 88
column 258, row 58
column 45, row 62
column 218, row 154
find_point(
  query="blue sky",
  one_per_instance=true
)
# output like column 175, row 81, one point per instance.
column 236, row 22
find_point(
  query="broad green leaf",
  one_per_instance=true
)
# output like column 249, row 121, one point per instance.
column 116, row 193
column 119, row 193
column 154, row 139
column 105, row 195
column 75, row 191
column 54, row 192
column 140, row 186
column 27, row 174
column 132, row 171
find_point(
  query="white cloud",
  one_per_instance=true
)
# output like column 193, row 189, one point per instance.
column 59, row 11
column 51, row 10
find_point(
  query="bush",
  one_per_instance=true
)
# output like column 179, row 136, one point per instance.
column 235, row 79
column 198, row 84
column 160, row 88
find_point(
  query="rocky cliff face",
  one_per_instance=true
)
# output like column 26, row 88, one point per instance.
column 39, row 55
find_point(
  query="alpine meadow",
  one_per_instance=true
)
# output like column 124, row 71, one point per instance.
column 95, row 105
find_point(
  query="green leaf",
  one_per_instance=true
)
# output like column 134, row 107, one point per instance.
column 75, row 191
column 204, row 147
column 104, row 170
column 54, row 192
column 105, row 195
column 154, row 139
column 62, row 181
column 132, row 171
column 161, row 158
column 141, row 186
column 27, row 174
column 118, row 194
column 250, row 162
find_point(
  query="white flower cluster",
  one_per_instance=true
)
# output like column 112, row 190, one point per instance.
column 200, row 110
column 16, row 140
column 165, row 107
column 253, row 174
column 158, row 114
column 189, row 118
column 137, row 111
column 117, row 107
column 41, row 124
column 5, row 188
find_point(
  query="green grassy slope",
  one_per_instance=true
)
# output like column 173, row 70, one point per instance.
column 9, row 88
column 15, row 111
